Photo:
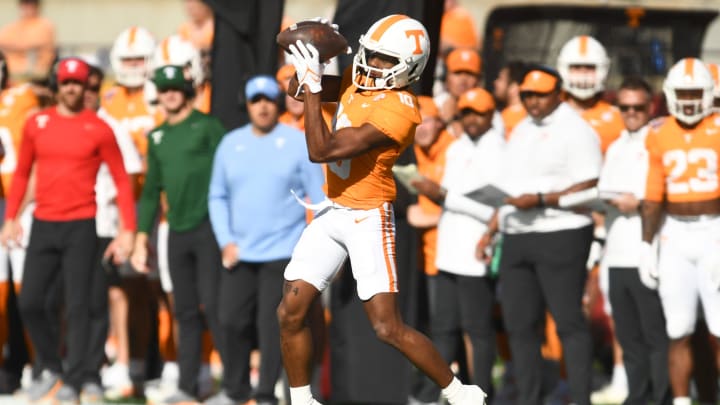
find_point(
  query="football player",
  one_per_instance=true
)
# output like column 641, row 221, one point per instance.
column 682, row 188
column 375, row 121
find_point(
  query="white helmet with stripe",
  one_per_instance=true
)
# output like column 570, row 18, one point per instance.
column 689, row 74
column 583, row 51
column 397, row 38
column 174, row 50
column 132, row 43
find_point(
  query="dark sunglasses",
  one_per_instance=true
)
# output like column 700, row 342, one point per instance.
column 530, row 94
column 634, row 107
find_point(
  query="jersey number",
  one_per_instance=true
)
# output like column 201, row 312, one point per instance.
column 705, row 179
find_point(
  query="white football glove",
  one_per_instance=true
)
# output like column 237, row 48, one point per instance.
column 648, row 267
column 323, row 20
column 306, row 59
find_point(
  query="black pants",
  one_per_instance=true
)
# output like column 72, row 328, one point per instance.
column 539, row 269
column 640, row 329
column 99, row 316
column 59, row 251
column 195, row 266
column 249, row 296
column 462, row 304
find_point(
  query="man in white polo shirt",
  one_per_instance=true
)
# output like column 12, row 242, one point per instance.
column 552, row 152
column 636, row 307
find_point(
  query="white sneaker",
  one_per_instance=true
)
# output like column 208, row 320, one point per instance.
column 116, row 381
column 611, row 394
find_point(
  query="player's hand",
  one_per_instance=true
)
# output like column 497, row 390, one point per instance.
column 483, row 248
column 120, row 248
column 648, row 265
column 12, row 234
column 230, row 255
column 427, row 188
column 139, row 257
column 524, row 201
column 627, row 203
column 309, row 70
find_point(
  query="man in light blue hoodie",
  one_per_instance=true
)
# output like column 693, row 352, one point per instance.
column 257, row 222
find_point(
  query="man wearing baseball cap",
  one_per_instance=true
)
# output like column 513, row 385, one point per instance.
column 66, row 145
column 257, row 223
column 552, row 152
column 463, row 291
column 180, row 155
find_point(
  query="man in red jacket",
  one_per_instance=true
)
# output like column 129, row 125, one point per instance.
column 64, row 145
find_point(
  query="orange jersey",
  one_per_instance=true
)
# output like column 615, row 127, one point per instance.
column 132, row 112
column 606, row 121
column 683, row 164
column 432, row 166
column 16, row 104
column 511, row 116
column 290, row 120
column 366, row 181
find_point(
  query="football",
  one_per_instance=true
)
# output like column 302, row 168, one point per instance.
column 322, row 36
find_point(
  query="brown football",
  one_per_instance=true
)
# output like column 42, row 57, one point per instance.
column 323, row 37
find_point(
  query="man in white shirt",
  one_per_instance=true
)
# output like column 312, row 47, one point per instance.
column 636, row 307
column 552, row 152
column 462, row 295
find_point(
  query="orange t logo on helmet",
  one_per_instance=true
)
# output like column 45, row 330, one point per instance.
column 417, row 34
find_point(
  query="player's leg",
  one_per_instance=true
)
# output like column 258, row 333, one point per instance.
column 679, row 294
column 315, row 260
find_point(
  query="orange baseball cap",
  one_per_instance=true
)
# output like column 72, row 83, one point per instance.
column 463, row 60
column 539, row 81
column 476, row 99
column 428, row 107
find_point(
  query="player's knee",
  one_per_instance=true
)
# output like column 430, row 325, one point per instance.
column 388, row 332
column 288, row 318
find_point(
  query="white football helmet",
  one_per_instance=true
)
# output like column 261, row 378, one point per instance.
column 583, row 50
column 689, row 74
column 133, row 42
column 397, row 37
column 174, row 50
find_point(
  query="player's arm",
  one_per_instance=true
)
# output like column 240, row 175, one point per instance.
column 651, row 207
column 21, row 177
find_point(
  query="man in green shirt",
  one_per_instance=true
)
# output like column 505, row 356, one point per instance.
column 180, row 157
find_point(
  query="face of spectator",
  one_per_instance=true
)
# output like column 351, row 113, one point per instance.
column 501, row 84
column 540, row 105
column 459, row 82
column 71, row 94
column 427, row 131
column 475, row 123
column 92, row 93
column 172, row 100
column 263, row 113
column 634, row 105
column 197, row 11
column 29, row 9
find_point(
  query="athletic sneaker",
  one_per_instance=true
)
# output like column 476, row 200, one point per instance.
column 117, row 383
column 91, row 393
column 221, row 398
column 67, row 395
column 44, row 386
column 178, row 397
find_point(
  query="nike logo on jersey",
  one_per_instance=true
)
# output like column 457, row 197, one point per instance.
column 358, row 220
column 42, row 120
column 157, row 136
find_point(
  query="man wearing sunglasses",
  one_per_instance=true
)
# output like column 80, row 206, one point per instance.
column 66, row 145
column 180, row 154
column 636, row 308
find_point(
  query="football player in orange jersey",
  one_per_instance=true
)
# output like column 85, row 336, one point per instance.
column 583, row 65
column 130, row 59
column 682, row 188
column 375, row 121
